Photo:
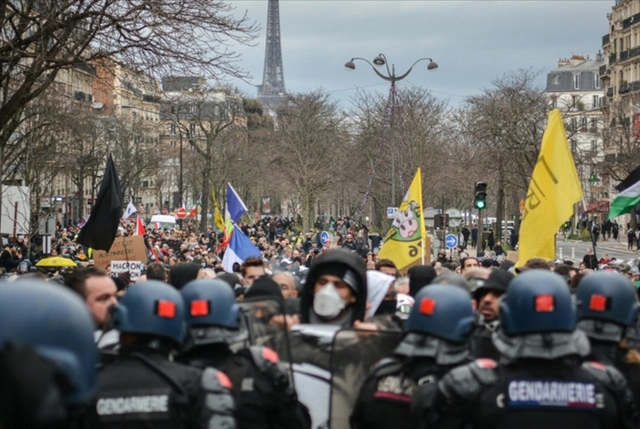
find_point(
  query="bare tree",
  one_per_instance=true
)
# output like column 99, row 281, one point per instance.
column 158, row 37
column 309, row 149
column 205, row 117
column 508, row 121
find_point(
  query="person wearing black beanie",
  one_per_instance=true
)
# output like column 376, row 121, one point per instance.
column 419, row 277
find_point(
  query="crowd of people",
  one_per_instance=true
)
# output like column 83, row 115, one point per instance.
column 461, row 342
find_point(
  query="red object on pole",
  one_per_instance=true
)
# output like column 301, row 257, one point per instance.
column 181, row 213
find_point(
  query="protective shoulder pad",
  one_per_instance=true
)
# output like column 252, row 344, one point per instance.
column 266, row 361
column 386, row 366
column 218, row 403
column 263, row 356
column 468, row 380
column 607, row 375
column 215, row 381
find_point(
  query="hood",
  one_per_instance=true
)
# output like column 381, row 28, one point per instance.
column 378, row 284
column 325, row 261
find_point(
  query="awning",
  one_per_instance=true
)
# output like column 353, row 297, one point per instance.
column 598, row 207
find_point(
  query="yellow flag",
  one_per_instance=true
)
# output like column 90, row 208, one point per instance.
column 217, row 216
column 405, row 242
column 553, row 190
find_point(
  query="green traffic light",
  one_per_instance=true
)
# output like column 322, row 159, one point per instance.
column 480, row 205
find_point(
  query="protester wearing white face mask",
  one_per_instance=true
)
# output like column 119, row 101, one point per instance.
column 335, row 292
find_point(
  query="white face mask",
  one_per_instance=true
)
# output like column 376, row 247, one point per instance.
column 327, row 302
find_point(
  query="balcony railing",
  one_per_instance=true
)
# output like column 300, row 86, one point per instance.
column 605, row 40
column 624, row 55
column 613, row 59
column 610, row 92
column 624, row 88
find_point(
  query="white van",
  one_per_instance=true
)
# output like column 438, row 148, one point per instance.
column 162, row 222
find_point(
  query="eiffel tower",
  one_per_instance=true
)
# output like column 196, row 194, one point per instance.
column 272, row 91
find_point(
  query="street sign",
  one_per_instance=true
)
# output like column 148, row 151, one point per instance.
column 181, row 213
column 455, row 217
column 392, row 212
column 325, row 236
column 451, row 241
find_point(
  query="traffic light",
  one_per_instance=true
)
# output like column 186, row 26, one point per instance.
column 480, row 201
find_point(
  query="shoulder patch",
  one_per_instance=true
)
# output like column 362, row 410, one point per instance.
column 598, row 365
column 486, row 363
column 224, row 380
column 270, row 355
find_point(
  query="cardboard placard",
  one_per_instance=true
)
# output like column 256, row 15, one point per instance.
column 134, row 268
column 123, row 249
column 512, row 255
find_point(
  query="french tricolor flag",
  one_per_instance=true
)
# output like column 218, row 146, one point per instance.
column 240, row 248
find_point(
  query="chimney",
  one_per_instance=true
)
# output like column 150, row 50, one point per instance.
column 575, row 60
column 599, row 56
column 563, row 62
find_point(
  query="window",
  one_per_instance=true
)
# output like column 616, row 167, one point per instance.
column 594, row 146
column 554, row 102
column 192, row 130
column 145, row 184
column 556, row 79
column 173, row 143
column 596, row 81
column 583, row 124
column 172, row 129
column 594, row 124
column 596, row 102
column 574, row 124
column 576, row 81
column 574, row 145
column 574, row 100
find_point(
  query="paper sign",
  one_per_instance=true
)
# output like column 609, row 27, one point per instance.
column 132, row 267
column 123, row 248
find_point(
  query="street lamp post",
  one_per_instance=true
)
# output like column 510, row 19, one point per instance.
column 390, row 76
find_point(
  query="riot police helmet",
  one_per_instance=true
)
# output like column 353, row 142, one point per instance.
column 607, row 304
column 57, row 325
column 537, row 301
column 151, row 308
column 443, row 311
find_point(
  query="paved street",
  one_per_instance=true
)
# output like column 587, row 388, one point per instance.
column 575, row 250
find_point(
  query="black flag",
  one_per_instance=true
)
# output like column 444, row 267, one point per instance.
column 102, row 226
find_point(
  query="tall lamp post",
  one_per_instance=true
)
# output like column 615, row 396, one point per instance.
column 390, row 76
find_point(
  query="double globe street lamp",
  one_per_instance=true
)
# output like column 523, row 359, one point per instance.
column 390, row 76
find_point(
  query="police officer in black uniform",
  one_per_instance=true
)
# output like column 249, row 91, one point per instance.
column 607, row 311
column 47, row 355
column 435, row 340
column 143, row 388
column 545, row 382
column 263, row 395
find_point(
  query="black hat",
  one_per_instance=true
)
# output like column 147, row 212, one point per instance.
column 264, row 288
column 420, row 276
column 498, row 281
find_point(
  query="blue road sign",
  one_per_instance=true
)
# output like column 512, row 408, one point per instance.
column 451, row 241
column 324, row 236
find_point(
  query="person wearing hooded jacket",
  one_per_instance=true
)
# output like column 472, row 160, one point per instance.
column 544, row 380
column 335, row 292
column 435, row 341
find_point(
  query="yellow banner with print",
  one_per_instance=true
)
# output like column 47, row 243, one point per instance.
column 553, row 190
column 405, row 242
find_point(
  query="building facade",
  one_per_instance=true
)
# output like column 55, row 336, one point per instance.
column 575, row 88
column 621, row 81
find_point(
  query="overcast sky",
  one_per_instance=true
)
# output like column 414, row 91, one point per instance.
column 473, row 41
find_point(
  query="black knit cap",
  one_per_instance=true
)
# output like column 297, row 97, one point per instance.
column 498, row 281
